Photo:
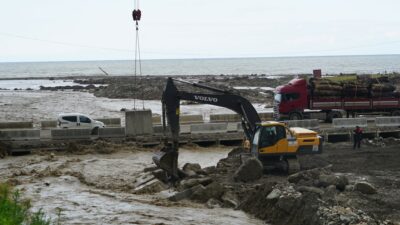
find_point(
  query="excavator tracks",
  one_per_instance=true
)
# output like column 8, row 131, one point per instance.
column 293, row 166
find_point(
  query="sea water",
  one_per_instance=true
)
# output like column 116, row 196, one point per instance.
column 227, row 66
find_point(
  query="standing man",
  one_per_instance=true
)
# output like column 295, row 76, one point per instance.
column 357, row 133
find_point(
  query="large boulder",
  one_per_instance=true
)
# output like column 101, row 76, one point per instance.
column 213, row 190
column 195, row 167
column 250, row 170
column 315, row 190
column 365, row 188
column 230, row 199
column 325, row 180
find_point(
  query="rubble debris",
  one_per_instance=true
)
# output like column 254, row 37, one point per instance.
column 250, row 170
column 151, row 187
column 213, row 190
column 365, row 188
column 186, row 193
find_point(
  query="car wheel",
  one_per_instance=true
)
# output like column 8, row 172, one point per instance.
column 95, row 131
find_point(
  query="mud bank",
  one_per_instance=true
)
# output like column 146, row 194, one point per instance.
column 96, row 188
column 341, row 186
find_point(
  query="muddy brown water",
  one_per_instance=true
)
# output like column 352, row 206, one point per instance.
column 94, row 189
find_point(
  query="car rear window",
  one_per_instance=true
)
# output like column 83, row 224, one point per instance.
column 70, row 118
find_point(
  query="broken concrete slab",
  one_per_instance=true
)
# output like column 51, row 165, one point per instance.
column 188, row 183
column 151, row 187
column 186, row 193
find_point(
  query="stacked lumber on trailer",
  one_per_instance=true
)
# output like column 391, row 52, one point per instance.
column 364, row 87
column 355, row 90
column 326, row 88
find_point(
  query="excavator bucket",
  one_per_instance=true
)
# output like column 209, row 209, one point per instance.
column 167, row 160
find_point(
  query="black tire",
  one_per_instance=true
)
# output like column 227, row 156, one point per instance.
column 295, row 116
column 95, row 131
column 333, row 115
column 396, row 113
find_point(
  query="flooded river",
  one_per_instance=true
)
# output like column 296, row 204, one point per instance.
column 94, row 189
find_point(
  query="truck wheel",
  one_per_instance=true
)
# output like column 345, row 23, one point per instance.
column 333, row 115
column 396, row 113
column 295, row 116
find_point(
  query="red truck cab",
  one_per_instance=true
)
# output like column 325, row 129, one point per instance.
column 291, row 99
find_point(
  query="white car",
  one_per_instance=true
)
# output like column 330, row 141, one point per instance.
column 77, row 120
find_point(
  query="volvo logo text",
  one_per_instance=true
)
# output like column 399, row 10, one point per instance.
column 205, row 99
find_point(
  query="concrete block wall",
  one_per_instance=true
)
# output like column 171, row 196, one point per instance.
column 60, row 134
column 112, row 132
column 209, row 128
column 236, row 117
column 393, row 121
column 19, row 135
column 224, row 118
column 349, row 122
column 48, row 124
column 266, row 116
column 16, row 125
column 309, row 124
column 138, row 122
column 116, row 122
column 191, row 119
column 156, row 119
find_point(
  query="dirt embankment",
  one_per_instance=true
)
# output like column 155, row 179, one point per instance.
column 341, row 186
column 151, row 87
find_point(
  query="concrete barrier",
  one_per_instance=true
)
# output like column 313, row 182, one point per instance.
column 157, row 129
column 393, row 121
column 112, row 132
column 16, row 125
column 19, row 135
column 116, row 122
column 156, row 119
column 233, row 126
column 191, row 119
column 349, row 122
column 138, row 122
column 59, row 134
column 309, row 124
column 266, row 116
column 48, row 124
column 209, row 128
column 185, row 129
column 225, row 118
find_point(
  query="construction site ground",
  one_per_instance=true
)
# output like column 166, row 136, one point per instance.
column 96, row 183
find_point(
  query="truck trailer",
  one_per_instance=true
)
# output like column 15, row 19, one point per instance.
column 298, row 100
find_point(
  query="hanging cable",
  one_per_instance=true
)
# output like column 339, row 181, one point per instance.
column 136, row 15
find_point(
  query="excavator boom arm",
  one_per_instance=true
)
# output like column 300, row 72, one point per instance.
column 171, row 98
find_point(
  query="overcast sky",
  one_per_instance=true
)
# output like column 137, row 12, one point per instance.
column 49, row 30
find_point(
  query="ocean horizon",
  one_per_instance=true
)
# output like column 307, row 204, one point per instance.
column 291, row 65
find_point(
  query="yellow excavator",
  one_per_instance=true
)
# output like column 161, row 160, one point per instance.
column 273, row 143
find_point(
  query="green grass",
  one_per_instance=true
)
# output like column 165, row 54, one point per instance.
column 14, row 211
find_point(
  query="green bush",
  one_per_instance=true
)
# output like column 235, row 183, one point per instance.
column 13, row 211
